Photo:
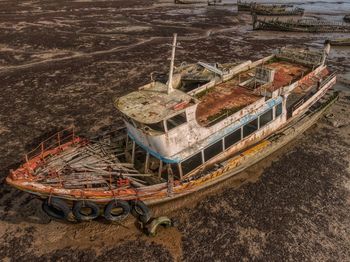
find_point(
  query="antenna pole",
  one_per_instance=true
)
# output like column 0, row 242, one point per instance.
column 170, row 81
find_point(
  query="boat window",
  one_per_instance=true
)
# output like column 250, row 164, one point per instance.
column 233, row 138
column 278, row 110
column 250, row 128
column 191, row 163
column 157, row 126
column 212, row 150
column 176, row 120
column 266, row 118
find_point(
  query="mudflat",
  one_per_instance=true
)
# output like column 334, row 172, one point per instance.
column 63, row 62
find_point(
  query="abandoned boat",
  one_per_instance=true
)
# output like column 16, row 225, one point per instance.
column 347, row 18
column 185, row 2
column 340, row 42
column 276, row 11
column 207, row 123
column 249, row 6
column 299, row 25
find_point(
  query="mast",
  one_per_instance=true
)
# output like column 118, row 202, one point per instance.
column 170, row 81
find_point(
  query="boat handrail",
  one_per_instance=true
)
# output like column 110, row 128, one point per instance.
column 54, row 141
column 301, row 101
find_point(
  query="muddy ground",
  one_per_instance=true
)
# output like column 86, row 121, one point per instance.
column 62, row 62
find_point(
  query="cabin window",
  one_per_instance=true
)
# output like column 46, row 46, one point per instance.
column 176, row 120
column 157, row 126
column 213, row 150
column 250, row 128
column 233, row 138
column 191, row 163
column 266, row 118
column 278, row 110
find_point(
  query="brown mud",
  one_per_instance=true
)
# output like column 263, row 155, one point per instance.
column 62, row 62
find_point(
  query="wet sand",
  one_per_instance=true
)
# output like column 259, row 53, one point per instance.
column 62, row 62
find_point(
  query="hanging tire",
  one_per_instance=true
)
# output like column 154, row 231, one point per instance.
column 56, row 208
column 140, row 211
column 85, row 210
column 117, row 210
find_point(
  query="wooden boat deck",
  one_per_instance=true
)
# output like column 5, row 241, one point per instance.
column 95, row 165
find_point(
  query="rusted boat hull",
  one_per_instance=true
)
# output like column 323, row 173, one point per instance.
column 159, row 193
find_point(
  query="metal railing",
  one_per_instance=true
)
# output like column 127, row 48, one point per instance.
column 308, row 95
column 55, row 141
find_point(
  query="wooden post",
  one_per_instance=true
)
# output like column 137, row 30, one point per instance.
column 146, row 163
column 160, row 168
column 42, row 149
column 126, row 144
column 170, row 181
column 73, row 134
column 133, row 152
column 180, row 170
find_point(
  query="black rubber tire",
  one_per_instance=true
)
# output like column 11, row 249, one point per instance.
column 108, row 214
column 77, row 207
column 56, row 208
column 140, row 211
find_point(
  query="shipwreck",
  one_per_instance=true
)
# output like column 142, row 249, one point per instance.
column 276, row 11
column 264, row 8
column 299, row 25
column 347, row 18
column 206, row 123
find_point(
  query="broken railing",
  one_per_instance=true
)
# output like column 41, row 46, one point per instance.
column 308, row 95
column 55, row 141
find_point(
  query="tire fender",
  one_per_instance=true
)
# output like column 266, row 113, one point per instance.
column 140, row 211
column 56, row 208
column 77, row 208
column 108, row 214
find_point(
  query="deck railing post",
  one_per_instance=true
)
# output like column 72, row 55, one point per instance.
column 73, row 134
column 160, row 168
column 170, row 181
column 180, row 170
column 42, row 149
column 147, row 163
column 133, row 152
column 59, row 139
